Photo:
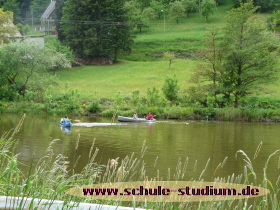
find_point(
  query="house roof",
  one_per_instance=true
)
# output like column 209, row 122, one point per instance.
column 48, row 12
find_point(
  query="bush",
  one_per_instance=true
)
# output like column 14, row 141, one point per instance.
column 7, row 94
column 135, row 100
column 94, row 107
column 171, row 88
column 108, row 113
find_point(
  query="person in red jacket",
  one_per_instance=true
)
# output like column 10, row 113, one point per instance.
column 150, row 116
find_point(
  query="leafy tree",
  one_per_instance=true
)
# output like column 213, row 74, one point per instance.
column 38, row 7
column 250, row 53
column 158, row 7
column 143, row 3
column 23, row 29
column 116, row 36
column 58, row 11
column 54, row 44
column 276, row 18
column 13, row 6
column 176, row 10
column 7, row 29
column 137, row 17
column 207, row 8
column 96, row 28
column 209, row 74
column 171, row 88
column 20, row 63
column 190, row 6
column 263, row 5
column 169, row 56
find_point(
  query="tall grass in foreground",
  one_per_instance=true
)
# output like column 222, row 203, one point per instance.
column 51, row 176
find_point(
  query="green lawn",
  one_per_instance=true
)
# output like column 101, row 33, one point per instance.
column 125, row 77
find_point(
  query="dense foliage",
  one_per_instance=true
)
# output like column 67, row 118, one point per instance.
column 245, row 58
column 96, row 28
column 25, row 66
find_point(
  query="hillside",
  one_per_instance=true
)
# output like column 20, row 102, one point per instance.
column 144, row 67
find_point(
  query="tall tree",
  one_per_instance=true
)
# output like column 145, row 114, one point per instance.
column 209, row 73
column 58, row 10
column 13, row 6
column 250, row 53
column 7, row 28
column 176, row 10
column 20, row 63
column 190, row 6
column 143, row 3
column 158, row 7
column 136, row 17
column 96, row 28
column 207, row 8
column 38, row 7
column 263, row 5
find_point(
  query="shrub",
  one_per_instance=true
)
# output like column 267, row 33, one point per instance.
column 135, row 100
column 94, row 107
column 171, row 88
column 108, row 113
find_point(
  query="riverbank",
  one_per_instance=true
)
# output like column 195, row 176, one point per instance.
column 168, row 112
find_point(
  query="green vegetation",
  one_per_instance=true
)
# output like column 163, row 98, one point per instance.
column 6, row 28
column 92, row 33
column 141, row 82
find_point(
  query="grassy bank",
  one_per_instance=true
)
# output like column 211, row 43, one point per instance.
column 128, row 76
column 50, row 177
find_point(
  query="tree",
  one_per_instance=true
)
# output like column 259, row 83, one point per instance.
column 190, row 6
column 263, row 5
column 96, row 28
column 20, row 63
column 137, row 17
column 249, row 53
column 276, row 18
column 171, row 88
column 209, row 73
column 158, row 7
column 169, row 56
column 176, row 10
column 116, row 36
column 13, row 6
column 58, row 11
column 207, row 8
column 143, row 3
column 38, row 7
column 7, row 28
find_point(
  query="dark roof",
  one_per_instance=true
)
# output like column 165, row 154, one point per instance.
column 48, row 12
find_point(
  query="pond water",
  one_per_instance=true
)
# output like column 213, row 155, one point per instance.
column 166, row 141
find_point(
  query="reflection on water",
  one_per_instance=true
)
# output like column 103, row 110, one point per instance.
column 166, row 141
column 66, row 130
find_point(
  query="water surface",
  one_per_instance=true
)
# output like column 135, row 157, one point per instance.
column 167, row 141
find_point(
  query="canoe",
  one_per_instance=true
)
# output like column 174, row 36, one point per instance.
column 65, row 124
column 131, row 119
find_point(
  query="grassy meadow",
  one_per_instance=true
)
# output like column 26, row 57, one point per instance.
column 144, row 68
column 125, row 77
